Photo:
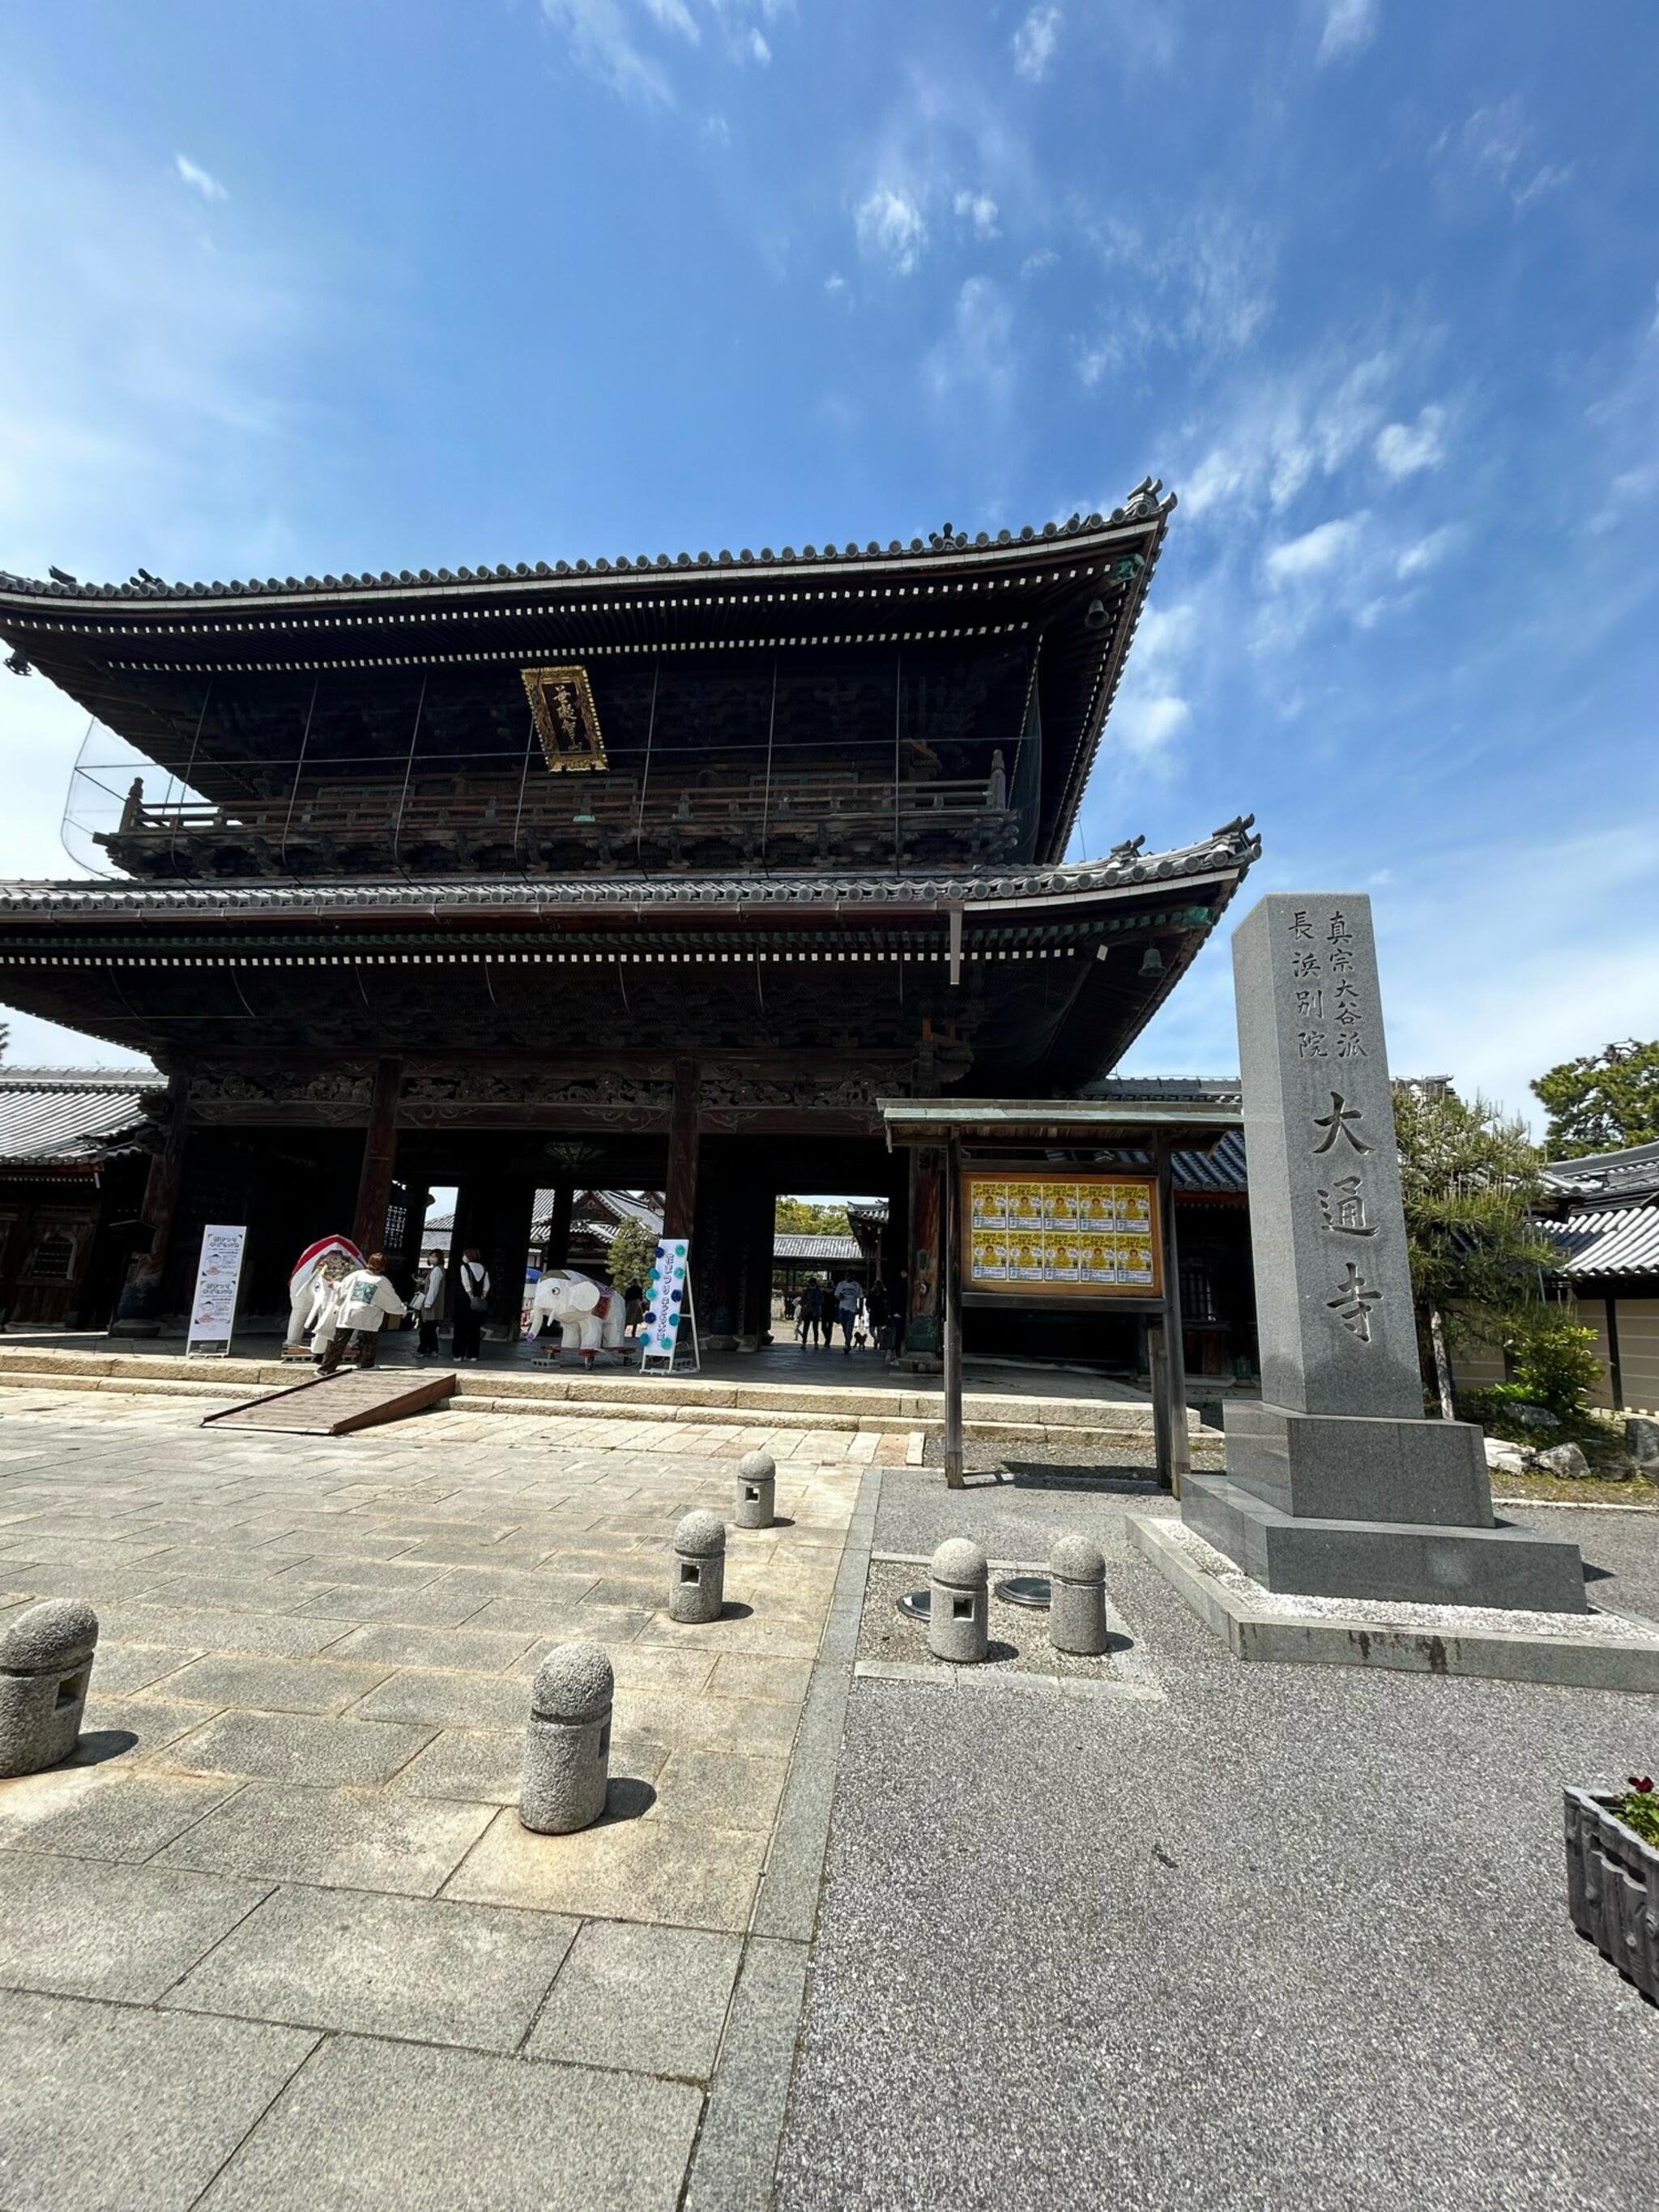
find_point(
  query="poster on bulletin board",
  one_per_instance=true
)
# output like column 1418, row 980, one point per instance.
column 1076, row 1235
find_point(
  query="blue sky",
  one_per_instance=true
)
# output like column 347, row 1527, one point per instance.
column 1373, row 285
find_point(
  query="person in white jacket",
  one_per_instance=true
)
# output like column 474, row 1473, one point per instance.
column 364, row 1300
column 324, row 1317
column 428, row 1303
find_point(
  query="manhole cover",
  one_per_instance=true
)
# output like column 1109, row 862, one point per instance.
column 916, row 1605
column 1034, row 1590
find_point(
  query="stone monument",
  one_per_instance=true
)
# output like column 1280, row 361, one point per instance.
column 1336, row 1485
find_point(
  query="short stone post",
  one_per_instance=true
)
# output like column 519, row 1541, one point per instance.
column 697, row 1589
column 1077, row 1601
column 567, row 1752
column 957, row 1612
column 758, row 1490
column 45, row 1663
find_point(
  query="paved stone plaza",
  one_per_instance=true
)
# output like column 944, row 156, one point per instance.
column 278, row 1935
column 1155, row 1929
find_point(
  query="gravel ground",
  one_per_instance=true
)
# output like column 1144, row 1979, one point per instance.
column 1295, row 1938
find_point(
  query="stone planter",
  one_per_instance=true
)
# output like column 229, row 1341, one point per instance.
column 1613, row 1889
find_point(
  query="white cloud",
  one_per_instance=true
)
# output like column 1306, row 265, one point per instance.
column 198, row 179
column 1034, row 42
column 1426, row 553
column 1404, row 449
column 1349, row 25
column 979, row 209
column 1290, row 432
column 1325, row 546
column 978, row 356
column 835, row 283
column 1152, row 710
column 1034, row 264
column 716, row 131
column 1495, row 145
column 759, row 49
column 607, row 39
column 1147, row 726
column 889, row 227
column 1197, row 279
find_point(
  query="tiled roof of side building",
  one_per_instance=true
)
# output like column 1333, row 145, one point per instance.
column 1608, row 1240
column 67, row 1116
column 1145, row 504
column 1632, row 1173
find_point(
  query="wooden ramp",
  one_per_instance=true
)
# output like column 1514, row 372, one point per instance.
column 335, row 1404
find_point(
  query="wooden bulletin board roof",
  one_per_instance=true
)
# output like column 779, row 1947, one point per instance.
column 1187, row 1125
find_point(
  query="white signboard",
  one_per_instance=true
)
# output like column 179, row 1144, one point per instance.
column 667, row 1299
column 218, row 1279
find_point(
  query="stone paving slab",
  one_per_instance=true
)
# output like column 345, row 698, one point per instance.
column 371, row 2124
column 645, row 1998
column 401, row 1966
column 106, row 1812
column 341, row 1838
column 110, row 1931
column 112, row 2110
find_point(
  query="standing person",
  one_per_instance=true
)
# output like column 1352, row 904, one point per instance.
column 812, row 1309
column 429, row 1305
column 471, row 1302
column 880, row 1306
column 365, row 1299
column 324, row 1315
column 849, row 1297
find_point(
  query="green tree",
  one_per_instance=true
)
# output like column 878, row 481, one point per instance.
column 1603, row 1103
column 632, row 1249
column 1469, row 1176
column 800, row 1215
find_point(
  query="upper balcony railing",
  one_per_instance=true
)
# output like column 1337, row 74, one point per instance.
column 811, row 819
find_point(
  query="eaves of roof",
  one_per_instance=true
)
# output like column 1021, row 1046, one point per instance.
column 1608, row 1240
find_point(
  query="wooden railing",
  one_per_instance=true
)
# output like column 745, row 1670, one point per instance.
column 577, row 820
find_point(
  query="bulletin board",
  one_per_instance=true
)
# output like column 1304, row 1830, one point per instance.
column 1065, row 1236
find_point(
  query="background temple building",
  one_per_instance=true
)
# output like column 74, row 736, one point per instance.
column 645, row 875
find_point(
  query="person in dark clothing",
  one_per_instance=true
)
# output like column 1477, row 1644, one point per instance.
column 878, row 1305
column 812, row 1309
column 471, row 1302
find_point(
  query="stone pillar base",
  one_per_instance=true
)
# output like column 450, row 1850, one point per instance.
column 1411, row 1562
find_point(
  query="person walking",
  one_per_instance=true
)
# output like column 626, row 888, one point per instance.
column 429, row 1305
column 880, row 1306
column 471, row 1302
column 849, row 1297
column 324, row 1315
column 365, row 1299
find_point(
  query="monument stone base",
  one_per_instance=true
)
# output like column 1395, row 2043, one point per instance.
column 1340, row 1467
column 1419, row 1563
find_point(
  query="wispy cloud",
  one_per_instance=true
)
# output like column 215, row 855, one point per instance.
column 1497, row 146
column 978, row 355
column 1153, row 711
column 1349, row 26
column 607, row 39
column 197, row 179
column 1195, row 279
column 979, row 209
column 1404, row 449
column 1034, row 42
column 890, row 228
column 1327, row 545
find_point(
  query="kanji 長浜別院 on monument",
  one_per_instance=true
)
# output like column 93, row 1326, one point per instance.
column 640, row 873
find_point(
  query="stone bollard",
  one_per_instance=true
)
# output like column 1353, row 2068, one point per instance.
column 45, row 1663
column 1077, row 1602
column 566, row 1751
column 698, row 1589
column 957, row 1611
column 758, row 1490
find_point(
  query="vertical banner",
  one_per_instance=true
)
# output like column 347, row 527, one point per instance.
column 218, row 1279
column 667, row 1298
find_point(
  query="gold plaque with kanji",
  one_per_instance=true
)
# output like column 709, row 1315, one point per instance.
column 567, row 721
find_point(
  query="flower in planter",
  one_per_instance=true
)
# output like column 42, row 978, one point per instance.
column 1639, row 1808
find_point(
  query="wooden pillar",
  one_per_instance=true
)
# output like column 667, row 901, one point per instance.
column 1158, row 1379
column 923, row 1261
column 380, row 1158
column 140, row 1300
column 951, row 1241
column 756, row 1318
column 557, row 1253
column 680, row 1195
column 1178, row 1457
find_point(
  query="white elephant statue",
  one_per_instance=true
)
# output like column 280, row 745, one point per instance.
column 591, row 1317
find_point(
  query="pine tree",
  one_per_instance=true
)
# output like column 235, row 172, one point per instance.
column 1603, row 1103
column 1469, row 1176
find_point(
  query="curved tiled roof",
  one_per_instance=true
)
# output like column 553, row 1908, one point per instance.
column 1631, row 1173
column 64, row 1116
column 1143, row 505
column 1232, row 847
column 1620, row 1240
